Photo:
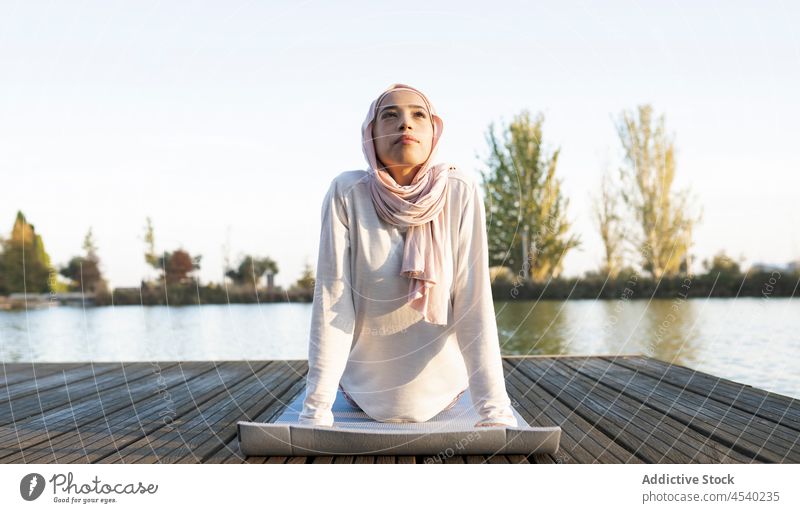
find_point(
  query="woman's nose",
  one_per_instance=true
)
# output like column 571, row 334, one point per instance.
column 404, row 122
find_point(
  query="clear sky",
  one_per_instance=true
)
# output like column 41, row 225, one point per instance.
column 225, row 121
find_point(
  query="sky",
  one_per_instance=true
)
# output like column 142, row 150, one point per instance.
column 226, row 121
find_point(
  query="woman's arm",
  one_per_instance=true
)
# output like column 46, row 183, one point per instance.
column 332, row 314
column 474, row 317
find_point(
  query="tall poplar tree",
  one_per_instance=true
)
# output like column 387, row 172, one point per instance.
column 525, row 209
column 662, row 227
column 609, row 221
column 24, row 263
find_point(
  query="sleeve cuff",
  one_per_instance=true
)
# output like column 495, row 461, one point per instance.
column 507, row 419
column 318, row 419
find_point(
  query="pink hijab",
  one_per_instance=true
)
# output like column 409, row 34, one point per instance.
column 418, row 206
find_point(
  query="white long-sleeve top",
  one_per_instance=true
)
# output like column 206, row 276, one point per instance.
column 364, row 334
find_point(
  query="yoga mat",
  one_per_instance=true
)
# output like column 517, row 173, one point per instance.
column 449, row 433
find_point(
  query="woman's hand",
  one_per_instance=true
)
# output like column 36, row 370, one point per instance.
column 315, row 421
column 495, row 423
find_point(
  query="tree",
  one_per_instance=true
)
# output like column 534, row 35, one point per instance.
column 606, row 211
column 307, row 279
column 84, row 271
column 24, row 263
column 177, row 266
column 662, row 222
column 251, row 269
column 150, row 245
column 89, row 245
column 525, row 210
column 84, row 274
column 722, row 264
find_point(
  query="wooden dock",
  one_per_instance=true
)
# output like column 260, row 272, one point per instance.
column 612, row 409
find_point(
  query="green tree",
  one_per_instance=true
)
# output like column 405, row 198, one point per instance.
column 306, row 280
column 723, row 264
column 84, row 271
column 609, row 222
column 662, row 224
column 24, row 263
column 150, row 245
column 176, row 266
column 525, row 210
column 251, row 269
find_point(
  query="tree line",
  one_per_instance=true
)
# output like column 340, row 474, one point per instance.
column 26, row 266
column 645, row 225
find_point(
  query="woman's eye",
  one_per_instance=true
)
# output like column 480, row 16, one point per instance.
column 388, row 114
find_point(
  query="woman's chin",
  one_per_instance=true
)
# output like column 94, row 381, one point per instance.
column 407, row 160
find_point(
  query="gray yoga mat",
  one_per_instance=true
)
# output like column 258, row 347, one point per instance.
column 354, row 433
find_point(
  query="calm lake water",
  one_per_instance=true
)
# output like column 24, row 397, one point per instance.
column 749, row 340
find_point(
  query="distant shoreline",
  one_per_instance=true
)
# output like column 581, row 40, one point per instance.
column 764, row 285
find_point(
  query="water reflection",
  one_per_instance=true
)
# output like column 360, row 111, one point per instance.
column 666, row 331
column 662, row 329
column 529, row 327
column 749, row 340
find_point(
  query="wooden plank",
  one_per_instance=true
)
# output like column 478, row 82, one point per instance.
column 595, row 411
column 41, row 379
column 13, row 373
column 754, row 437
column 675, row 369
column 30, row 403
column 94, row 424
column 33, row 434
column 150, row 445
column 475, row 459
column 693, row 447
column 543, row 459
column 525, row 406
column 208, row 427
column 455, row 460
column 579, row 442
column 517, row 459
column 747, row 426
column 231, row 452
column 269, row 415
column 775, row 407
column 610, row 409
column 498, row 458
column 120, row 430
column 582, row 441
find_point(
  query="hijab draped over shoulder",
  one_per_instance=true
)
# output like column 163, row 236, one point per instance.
column 419, row 207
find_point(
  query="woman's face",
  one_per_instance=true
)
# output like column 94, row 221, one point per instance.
column 402, row 113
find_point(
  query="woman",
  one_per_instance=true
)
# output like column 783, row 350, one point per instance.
column 403, row 320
